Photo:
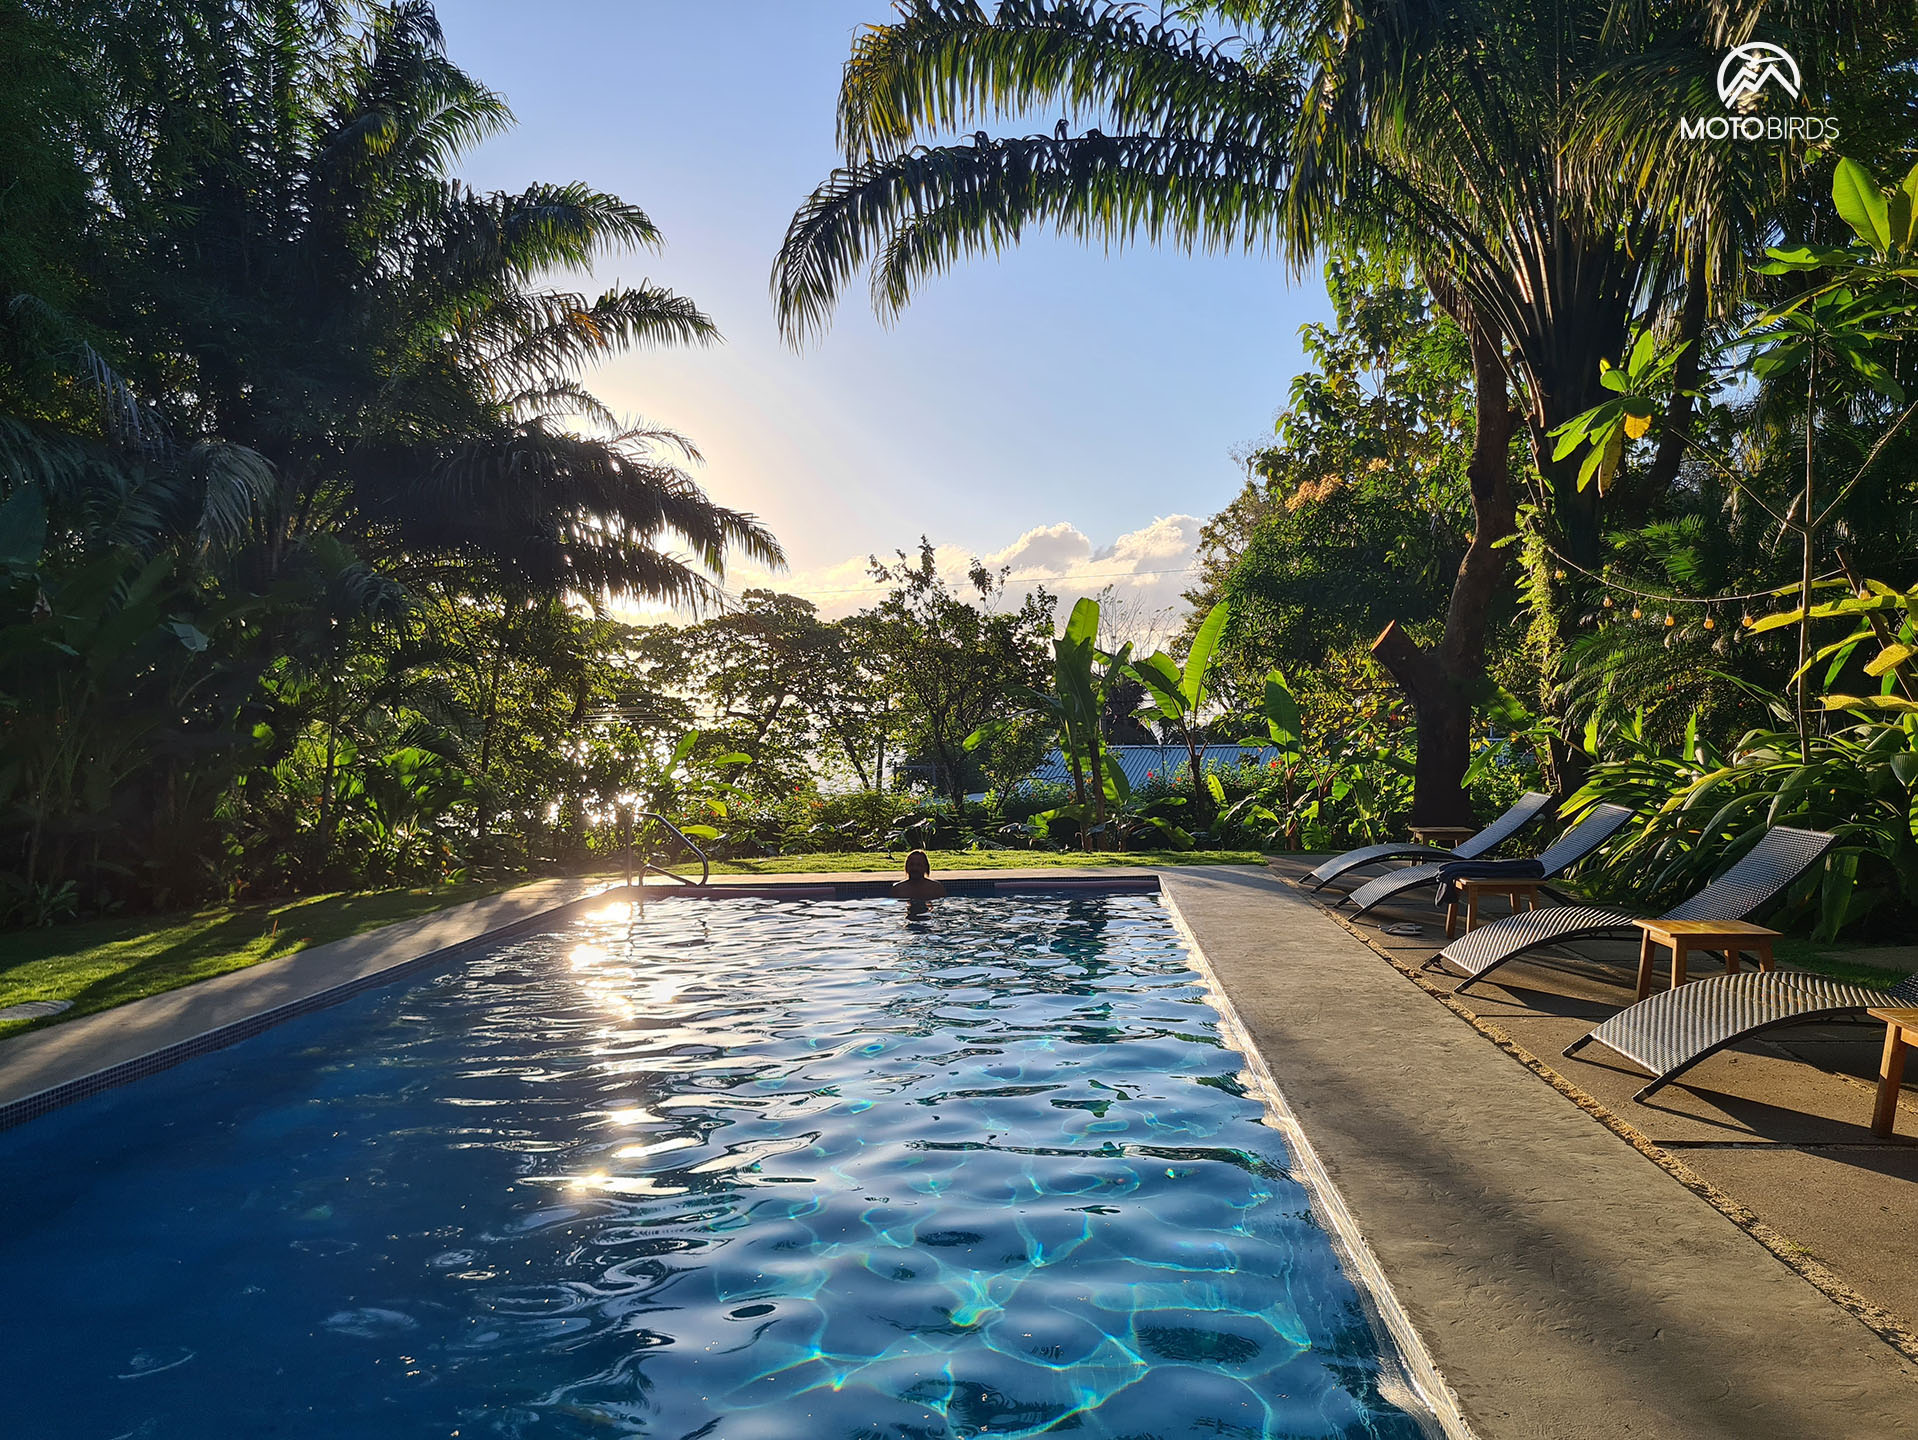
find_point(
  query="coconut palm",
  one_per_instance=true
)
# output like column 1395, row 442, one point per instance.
column 1442, row 133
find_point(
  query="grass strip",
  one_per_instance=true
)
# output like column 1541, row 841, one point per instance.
column 97, row 964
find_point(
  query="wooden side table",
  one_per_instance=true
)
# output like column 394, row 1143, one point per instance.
column 1901, row 1033
column 1443, row 836
column 1679, row 936
column 1514, row 889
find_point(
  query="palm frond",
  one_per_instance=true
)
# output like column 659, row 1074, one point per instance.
column 945, row 65
column 921, row 211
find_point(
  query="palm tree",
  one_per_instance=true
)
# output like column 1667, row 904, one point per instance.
column 1440, row 133
column 281, row 336
column 313, row 285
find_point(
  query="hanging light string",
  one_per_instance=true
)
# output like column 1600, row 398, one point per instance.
column 1784, row 589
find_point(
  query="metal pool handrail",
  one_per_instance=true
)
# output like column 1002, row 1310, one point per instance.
column 705, row 865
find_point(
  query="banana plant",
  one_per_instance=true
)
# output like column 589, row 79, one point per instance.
column 1082, row 677
column 1279, row 709
column 1179, row 691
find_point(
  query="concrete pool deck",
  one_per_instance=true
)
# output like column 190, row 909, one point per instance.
column 1556, row 1273
column 1564, row 1284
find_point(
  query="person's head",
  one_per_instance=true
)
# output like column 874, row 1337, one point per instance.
column 918, row 867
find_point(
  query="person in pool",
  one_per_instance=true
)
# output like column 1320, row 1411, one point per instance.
column 918, row 884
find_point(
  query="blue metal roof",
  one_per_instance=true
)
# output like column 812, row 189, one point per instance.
column 1143, row 762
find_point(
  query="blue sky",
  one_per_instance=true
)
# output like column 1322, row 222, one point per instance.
column 1043, row 407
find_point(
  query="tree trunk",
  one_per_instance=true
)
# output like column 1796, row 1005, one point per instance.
column 1685, row 377
column 1442, row 683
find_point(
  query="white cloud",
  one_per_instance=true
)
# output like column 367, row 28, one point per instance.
column 1139, row 577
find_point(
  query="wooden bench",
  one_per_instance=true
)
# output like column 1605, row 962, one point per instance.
column 1728, row 937
column 1472, row 887
column 1901, row 1033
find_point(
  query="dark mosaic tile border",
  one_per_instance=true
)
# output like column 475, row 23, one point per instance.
column 31, row 1107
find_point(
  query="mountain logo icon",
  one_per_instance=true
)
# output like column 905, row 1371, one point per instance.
column 1749, row 68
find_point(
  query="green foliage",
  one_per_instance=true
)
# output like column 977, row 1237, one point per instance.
column 1643, row 386
column 1358, row 513
column 301, row 500
column 1704, row 807
column 952, row 665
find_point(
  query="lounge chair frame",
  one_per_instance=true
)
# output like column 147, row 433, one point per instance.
column 1747, row 889
column 1521, row 813
column 1576, row 844
column 1668, row 1033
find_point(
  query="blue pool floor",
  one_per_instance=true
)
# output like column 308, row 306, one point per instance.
column 734, row 1170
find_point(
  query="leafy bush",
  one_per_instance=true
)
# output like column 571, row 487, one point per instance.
column 1703, row 809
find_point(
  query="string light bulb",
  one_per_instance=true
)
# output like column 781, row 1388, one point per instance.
column 1637, row 614
column 1710, row 624
column 1608, row 602
column 1670, row 620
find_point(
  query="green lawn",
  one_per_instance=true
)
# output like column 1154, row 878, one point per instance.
column 101, row 963
column 973, row 860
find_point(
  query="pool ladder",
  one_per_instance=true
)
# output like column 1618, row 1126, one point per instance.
column 705, row 865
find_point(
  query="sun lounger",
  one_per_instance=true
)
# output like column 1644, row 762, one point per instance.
column 1744, row 892
column 1527, row 809
column 1672, row 1031
column 1576, row 844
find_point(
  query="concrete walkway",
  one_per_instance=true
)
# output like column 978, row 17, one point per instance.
column 1565, row 1285
column 1776, row 1130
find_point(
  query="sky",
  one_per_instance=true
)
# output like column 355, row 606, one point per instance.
column 1067, row 411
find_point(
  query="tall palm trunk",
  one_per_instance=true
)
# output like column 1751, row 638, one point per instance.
column 1442, row 683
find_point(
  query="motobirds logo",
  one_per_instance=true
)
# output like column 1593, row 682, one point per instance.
column 1745, row 76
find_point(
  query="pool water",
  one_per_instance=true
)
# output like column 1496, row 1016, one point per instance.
column 733, row 1169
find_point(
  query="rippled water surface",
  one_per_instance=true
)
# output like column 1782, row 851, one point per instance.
column 733, row 1170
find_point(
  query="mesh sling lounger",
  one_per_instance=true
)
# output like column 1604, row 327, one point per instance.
column 1672, row 1031
column 1523, row 812
column 1749, row 888
column 1573, row 846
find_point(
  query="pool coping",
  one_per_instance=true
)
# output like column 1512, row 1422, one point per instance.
column 43, row 1069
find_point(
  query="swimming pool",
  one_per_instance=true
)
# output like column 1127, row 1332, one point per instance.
column 733, row 1169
